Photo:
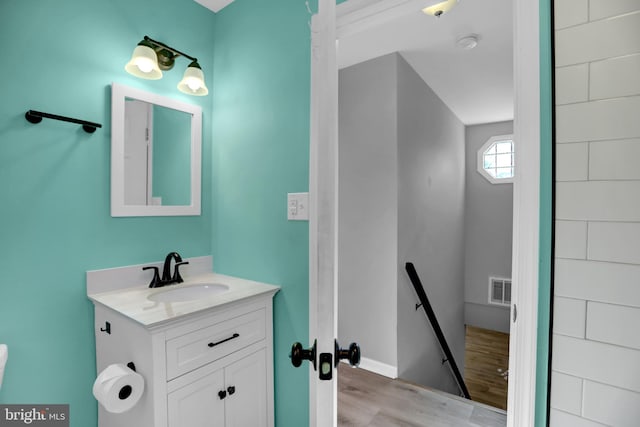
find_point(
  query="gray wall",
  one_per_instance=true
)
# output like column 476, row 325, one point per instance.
column 430, row 229
column 368, row 203
column 488, row 233
column 401, row 199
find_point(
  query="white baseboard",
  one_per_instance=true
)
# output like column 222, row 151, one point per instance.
column 380, row 368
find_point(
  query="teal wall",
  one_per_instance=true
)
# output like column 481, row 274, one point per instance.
column 54, row 216
column 61, row 57
column 260, row 153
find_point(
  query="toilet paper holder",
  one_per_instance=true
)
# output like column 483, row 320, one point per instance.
column 118, row 387
column 126, row 391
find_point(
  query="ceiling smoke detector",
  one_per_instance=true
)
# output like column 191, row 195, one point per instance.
column 467, row 42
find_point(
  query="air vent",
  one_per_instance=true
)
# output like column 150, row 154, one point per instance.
column 499, row 291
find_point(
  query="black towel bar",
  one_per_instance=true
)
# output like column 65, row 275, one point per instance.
column 36, row 117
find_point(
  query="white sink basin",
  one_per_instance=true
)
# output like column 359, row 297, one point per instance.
column 188, row 293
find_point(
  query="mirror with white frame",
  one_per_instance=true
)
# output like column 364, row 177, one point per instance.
column 155, row 154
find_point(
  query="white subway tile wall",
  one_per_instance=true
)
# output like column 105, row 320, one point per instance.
column 597, row 39
column 613, row 324
column 598, row 120
column 606, row 282
column 610, row 405
column 569, row 316
column 572, row 84
column 595, row 377
column 609, row 159
column 615, row 77
column 568, row 389
column 614, row 241
column 564, row 419
column 598, row 200
column 571, row 239
column 572, row 161
column 600, row 9
column 571, row 12
column 596, row 361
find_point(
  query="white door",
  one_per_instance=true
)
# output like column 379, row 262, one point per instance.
column 323, row 204
column 137, row 153
column 323, row 194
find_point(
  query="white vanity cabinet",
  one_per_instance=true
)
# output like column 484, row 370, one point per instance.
column 211, row 368
column 233, row 396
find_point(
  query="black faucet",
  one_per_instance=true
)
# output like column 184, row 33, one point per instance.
column 166, row 270
column 167, row 277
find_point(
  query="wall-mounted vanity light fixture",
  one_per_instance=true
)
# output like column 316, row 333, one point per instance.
column 440, row 9
column 150, row 57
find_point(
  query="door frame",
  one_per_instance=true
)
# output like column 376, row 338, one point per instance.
column 323, row 201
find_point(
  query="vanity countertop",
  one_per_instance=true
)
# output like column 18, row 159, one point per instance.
column 134, row 303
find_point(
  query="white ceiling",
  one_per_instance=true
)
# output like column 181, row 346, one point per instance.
column 215, row 5
column 476, row 84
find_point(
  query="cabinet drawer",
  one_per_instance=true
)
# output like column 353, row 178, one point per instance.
column 200, row 347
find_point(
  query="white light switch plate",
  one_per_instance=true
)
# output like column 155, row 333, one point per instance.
column 298, row 206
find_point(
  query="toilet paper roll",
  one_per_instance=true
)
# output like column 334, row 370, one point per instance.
column 4, row 355
column 118, row 388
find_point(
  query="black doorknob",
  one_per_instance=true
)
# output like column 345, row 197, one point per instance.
column 222, row 394
column 299, row 354
column 352, row 354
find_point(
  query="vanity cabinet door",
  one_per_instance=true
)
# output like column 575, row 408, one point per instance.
column 198, row 404
column 247, row 405
column 234, row 396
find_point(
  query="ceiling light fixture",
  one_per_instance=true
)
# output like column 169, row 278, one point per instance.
column 150, row 57
column 440, row 9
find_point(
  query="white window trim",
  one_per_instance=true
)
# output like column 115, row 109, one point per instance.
column 480, row 159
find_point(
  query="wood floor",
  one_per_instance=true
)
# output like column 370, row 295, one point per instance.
column 485, row 364
column 369, row 399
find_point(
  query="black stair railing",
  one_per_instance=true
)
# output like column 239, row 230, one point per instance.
column 424, row 302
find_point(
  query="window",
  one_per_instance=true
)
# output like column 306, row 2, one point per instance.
column 495, row 159
column 499, row 291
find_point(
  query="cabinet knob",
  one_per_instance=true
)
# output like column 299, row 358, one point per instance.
column 222, row 394
column 231, row 389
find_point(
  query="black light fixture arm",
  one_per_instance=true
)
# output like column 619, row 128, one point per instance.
column 169, row 48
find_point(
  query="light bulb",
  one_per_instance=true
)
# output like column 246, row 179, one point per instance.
column 193, row 81
column 194, row 84
column 145, row 65
column 144, row 62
